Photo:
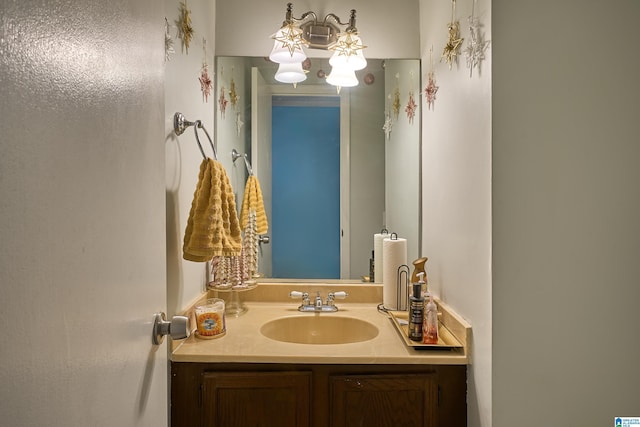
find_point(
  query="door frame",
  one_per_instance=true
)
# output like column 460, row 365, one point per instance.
column 345, row 180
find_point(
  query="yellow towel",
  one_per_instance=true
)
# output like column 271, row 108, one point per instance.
column 253, row 200
column 213, row 227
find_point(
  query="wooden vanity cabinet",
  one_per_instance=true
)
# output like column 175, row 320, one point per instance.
column 300, row 395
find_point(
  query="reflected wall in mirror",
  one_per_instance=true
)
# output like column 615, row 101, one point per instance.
column 330, row 174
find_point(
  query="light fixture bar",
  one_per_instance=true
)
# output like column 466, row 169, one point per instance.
column 310, row 32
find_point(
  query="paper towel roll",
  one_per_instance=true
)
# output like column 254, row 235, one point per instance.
column 377, row 255
column 394, row 255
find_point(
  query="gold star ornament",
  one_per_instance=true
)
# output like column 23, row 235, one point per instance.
column 348, row 44
column 290, row 36
column 452, row 48
column 184, row 26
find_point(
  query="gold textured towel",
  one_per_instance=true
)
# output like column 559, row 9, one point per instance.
column 213, row 227
column 253, row 200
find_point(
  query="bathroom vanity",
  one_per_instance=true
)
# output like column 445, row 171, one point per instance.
column 247, row 378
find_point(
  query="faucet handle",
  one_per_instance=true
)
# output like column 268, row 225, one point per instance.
column 303, row 295
column 338, row 295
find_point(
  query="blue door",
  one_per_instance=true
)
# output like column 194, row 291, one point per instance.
column 306, row 187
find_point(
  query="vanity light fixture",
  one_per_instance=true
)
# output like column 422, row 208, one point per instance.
column 310, row 32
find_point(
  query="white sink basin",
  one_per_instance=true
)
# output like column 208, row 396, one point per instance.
column 319, row 329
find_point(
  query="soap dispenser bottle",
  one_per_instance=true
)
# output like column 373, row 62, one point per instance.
column 416, row 313
column 430, row 327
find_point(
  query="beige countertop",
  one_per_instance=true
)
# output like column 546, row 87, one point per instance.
column 244, row 343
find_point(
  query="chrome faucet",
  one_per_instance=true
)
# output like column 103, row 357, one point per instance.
column 318, row 306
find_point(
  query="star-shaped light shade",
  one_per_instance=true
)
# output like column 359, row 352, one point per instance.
column 287, row 47
column 290, row 73
column 347, row 52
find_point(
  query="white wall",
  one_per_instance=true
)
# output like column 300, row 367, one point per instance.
column 456, row 168
column 566, row 212
column 246, row 26
column 186, row 280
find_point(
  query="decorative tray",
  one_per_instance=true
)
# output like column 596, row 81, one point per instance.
column 446, row 340
column 228, row 288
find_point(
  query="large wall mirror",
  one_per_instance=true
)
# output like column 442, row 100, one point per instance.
column 335, row 167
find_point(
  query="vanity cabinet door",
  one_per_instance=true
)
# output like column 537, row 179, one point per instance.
column 384, row 400
column 261, row 399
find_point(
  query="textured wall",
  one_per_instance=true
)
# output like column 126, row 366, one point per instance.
column 81, row 202
column 566, row 206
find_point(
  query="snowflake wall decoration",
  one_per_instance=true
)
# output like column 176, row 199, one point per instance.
column 474, row 51
column 222, row 102
column 410, row 109
column 233, row 94
column 388, row 118
column 396, row 98
column 239, row 123
column 184, row 26
column 388, row 125
column 168, row 41
column 205, row 82
column 454, row 41
column 431, row 90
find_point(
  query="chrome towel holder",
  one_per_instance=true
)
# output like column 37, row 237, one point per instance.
column 235, row 156
column 180, row 124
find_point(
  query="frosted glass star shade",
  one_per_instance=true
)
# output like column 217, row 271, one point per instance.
column 287, row 47
column 290, row 73
column 342, row 77
column 347, row 52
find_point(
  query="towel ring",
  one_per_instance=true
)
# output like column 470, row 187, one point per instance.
column 247, row 164
column 235, row 156
column 180, row 124
column 198, row 124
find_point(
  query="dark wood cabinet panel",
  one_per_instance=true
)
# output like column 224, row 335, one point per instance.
column 383, row 400
column 260, row 399
column 261, row 394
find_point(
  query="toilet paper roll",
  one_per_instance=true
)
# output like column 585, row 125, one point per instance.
column 377, row 255
column 394, row 255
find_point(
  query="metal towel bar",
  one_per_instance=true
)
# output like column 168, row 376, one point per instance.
column 180, row 124
column 235, row 156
